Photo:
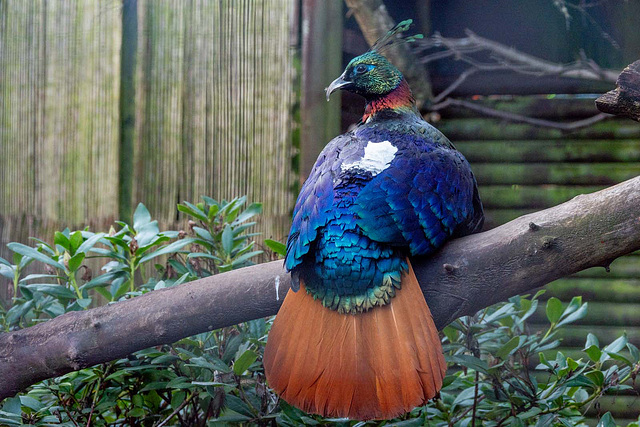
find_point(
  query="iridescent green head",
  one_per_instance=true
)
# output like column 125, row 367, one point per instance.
column 370, row 75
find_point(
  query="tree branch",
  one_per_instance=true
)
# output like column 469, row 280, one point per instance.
column 466, row 275
column 625, row 99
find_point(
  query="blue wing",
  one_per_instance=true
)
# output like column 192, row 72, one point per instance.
column 421, row 200
column 314, row 205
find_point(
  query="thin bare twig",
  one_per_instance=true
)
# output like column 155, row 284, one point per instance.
column 453, row 86
column 178, row 409
column 506, row 57
column 492, row 112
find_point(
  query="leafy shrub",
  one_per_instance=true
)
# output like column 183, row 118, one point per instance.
column 216, row 377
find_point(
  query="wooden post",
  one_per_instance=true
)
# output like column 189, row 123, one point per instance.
column 127, row 105
column 321, row 64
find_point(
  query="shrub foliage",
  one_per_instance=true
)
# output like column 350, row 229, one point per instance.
column 216, row 377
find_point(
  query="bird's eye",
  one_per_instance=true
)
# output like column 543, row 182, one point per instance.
column 361, row 69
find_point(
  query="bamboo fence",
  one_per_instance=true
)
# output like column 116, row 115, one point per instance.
column 213, row 101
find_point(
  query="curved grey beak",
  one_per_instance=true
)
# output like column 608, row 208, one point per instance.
column 338, row 83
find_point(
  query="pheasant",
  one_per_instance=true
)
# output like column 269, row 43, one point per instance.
column 354, row 336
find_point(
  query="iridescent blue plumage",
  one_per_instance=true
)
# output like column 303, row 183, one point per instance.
column 358, row 217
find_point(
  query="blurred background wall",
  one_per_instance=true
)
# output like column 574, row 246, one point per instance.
column 111, row 103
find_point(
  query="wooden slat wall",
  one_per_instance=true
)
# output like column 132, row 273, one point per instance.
column 521, row 168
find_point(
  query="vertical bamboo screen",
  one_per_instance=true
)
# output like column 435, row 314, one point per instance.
column 214, row 99
column 213, row 94
column 59, row 63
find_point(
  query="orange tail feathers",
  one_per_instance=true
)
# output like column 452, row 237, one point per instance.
column 374, row 365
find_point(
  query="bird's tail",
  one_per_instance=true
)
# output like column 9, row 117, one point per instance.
column 372, row 365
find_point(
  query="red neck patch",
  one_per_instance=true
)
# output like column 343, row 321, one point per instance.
column 400, row 99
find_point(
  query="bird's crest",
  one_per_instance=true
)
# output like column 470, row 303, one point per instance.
column 395, row 37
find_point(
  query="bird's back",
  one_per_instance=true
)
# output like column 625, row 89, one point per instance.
column 391, row 187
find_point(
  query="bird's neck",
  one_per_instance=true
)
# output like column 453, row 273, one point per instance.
column 399, row 100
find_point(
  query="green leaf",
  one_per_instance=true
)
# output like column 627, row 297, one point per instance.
column 210, row 383
column 213, row 210
column 76, row 241
column 572, row 364
column 193, row 211
column 169, row 249
column 545, row 421
column 7, row 272
column 596, row 376
column 178, row 398
column 591, row 340
column 84, row 302
column 468, row 361
column 594, row 353
column 621, row 358
column 136, row 412
column 203, row 234
column 229, row 416
column 464, row 397
column 635, row 354
column 41, row 276
column 276, row 246
column 104, row 279
column 500, row 313
column 203, row 255
column 243, row 362
column 607, row 421
column 237, row 262
column 90, row 242
column 252, row 210
column 141, row 217
column 554, row 309
column 180, row 383
column 614, row 347
column 237, row 405
column 62, row 240
column 530, row 413
column 576, row 315
column 31, row 403
column 147, row 233
column 53, row 290
column 506, row 349
column 232, row 348
column 227, row 239
column 30, row 252
column 76, row 261
column 12, row 406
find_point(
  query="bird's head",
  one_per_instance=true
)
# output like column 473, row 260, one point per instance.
column 370, row 75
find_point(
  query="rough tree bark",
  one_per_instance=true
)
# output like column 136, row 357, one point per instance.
column 466, row 275
column 625, row 99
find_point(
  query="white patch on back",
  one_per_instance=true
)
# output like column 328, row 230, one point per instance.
column 377, row 157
